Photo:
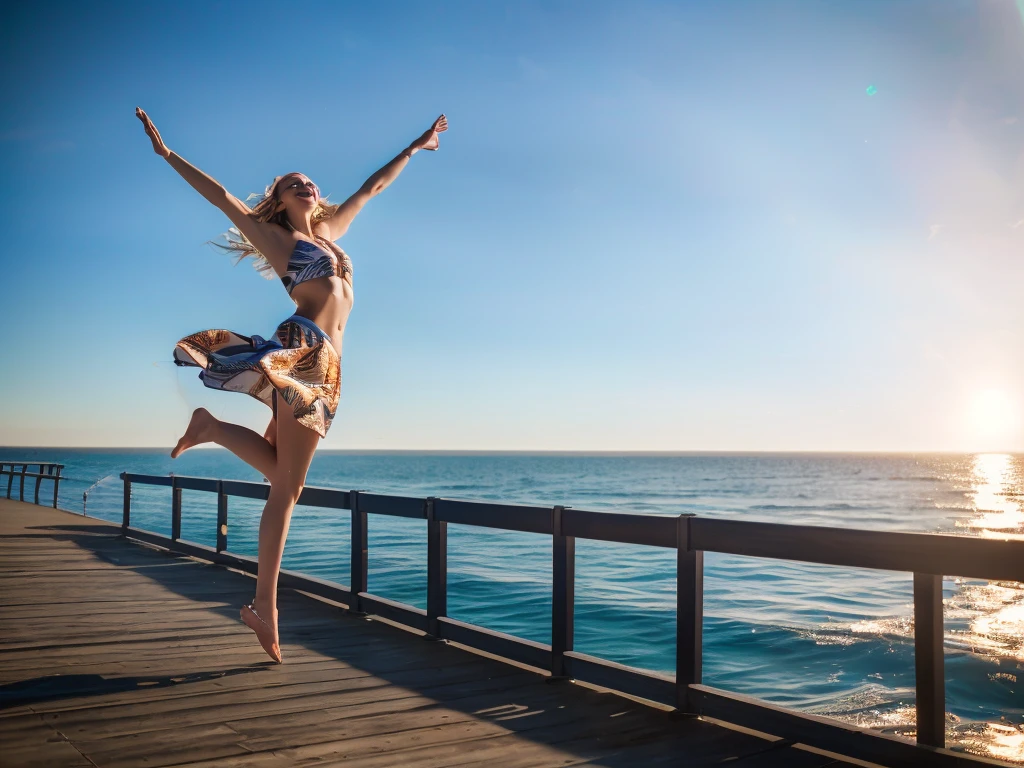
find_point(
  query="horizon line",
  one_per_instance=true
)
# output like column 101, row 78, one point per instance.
column 548, row 451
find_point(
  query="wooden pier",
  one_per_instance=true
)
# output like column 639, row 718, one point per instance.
column 120, row 646
column 117, row 654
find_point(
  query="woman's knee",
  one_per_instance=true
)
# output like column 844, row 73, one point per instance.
column 286, row 490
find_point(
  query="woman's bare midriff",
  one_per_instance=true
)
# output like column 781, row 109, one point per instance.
column 327, row 301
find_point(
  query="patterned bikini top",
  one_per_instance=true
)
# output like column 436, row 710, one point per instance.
column 309, row 261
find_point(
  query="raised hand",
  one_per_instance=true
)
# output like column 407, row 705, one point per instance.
column 429, row 138
column 154, row 135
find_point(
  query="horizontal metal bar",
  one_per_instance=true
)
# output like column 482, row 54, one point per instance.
column 246, row 490
column 507, row 517
column 883, row 550
column 315, row 586
column 43, row 475
column 150, row 537
column 242, row 563
column 402, row 613
column 193, row 483
column 825, row 733
column 190, row 548
column 487, row 640
column 330, row 498
column 394, row 506
column 652, row 530
column 151, row 479
column 313, row 496
column 636, row 682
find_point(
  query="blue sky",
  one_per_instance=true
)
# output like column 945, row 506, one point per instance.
column 651, row 226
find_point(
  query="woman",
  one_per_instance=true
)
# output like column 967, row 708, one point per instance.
column 298, row 373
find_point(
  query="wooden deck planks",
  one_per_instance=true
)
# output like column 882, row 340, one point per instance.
column 115, row 654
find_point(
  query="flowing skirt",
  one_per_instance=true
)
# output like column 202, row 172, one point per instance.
column 299, row 365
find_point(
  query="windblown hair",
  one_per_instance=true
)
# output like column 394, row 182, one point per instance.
column 263, row 211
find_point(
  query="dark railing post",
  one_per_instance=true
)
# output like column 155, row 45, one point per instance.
column 563, row 593
column 360, row 555
column 24, row 468
column 56, row 485
column 10, row 481
column 176, row 510
column 222, row 517
column 127, row 512
column 689, row 614
column 39, row 481
column 929, row 661
column 437, row 570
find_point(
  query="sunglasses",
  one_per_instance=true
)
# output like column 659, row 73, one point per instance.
column 297, row 184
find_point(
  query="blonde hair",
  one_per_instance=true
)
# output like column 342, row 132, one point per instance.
column 264, row 212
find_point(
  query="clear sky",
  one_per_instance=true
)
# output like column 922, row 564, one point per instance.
column 651, row 225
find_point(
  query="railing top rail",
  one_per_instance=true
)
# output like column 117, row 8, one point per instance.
column 848, row 547
column 5, row 463
column 42, row 475
column 936, row 553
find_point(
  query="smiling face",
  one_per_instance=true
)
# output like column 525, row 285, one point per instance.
column 296, row 193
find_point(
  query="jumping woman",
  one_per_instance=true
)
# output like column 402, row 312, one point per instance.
column 291, row 231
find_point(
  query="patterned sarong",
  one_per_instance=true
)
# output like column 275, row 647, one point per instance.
column 299, row 364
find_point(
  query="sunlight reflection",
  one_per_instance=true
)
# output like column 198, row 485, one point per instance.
column 999, row 740
column 996, row 498
column 987, row 618
column 992, row 614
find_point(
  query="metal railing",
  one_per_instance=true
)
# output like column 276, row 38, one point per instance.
column 926, row 556
column 47, row 471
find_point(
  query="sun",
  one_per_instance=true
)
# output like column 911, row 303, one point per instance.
column 994, row 415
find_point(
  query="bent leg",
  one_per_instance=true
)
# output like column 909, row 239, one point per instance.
column 247, row 445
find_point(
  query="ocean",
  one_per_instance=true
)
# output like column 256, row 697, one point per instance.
column 828, row 640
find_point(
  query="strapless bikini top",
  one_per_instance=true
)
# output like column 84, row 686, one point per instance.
column 309, row 261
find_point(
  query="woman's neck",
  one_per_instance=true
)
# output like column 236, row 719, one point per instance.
column 303, row 226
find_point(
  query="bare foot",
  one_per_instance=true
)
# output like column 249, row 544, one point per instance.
column 264, row 624
column 195, row 433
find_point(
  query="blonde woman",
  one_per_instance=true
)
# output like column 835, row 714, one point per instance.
column 291, row 231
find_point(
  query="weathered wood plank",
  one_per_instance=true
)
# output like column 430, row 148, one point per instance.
column 196, row 683
column 51, row 753
column 267, row 702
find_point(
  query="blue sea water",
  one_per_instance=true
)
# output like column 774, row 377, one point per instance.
column 834, row 641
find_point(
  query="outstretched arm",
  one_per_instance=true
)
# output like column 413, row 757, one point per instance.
column 210, row 188
column 377, row 183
